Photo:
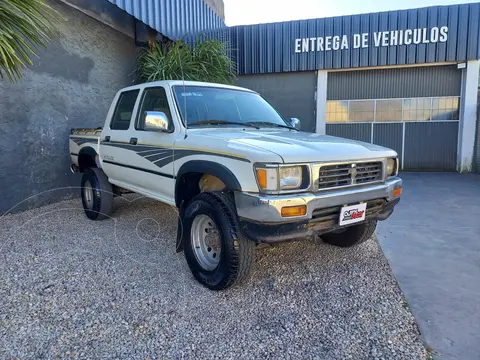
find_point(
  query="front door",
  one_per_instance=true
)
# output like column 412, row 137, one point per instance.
column 155, row 149
column 134, row 158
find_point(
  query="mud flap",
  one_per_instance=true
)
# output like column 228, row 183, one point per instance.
column 180, row 235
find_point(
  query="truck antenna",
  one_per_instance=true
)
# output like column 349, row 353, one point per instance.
column 184, row 92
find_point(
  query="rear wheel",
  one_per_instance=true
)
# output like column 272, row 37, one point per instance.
column 216, row 252
column 351, row 236
column 97, row 194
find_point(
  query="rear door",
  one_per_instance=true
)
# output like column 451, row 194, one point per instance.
column 115, row 149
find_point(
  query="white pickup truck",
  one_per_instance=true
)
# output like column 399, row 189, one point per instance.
column 238, row 172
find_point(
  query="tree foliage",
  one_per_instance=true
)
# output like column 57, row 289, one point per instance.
column 25, row 25
column 205, row 61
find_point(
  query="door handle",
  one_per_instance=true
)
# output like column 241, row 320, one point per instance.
column 133, row 141
column 107, row 139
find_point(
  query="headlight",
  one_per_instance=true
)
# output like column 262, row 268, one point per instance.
column 275, row 178
column 392, row 167
column 290, row 177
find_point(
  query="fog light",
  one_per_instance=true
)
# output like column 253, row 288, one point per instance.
column 289, row 211
column 397, row 192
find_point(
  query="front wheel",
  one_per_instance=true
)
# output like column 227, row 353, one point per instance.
column 216, row 252
column 351, row 236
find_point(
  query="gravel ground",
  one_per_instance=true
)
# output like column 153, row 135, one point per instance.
column 73, row 288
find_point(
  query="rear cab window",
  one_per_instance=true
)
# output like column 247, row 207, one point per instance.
column 124, row 110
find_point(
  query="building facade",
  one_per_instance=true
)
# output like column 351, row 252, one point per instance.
column 404, row 79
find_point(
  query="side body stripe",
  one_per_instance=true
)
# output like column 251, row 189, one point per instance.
column 162, row 156
column 83, row 140
column 140, row 169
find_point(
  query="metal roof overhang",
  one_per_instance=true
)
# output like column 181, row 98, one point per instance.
column 173, row 18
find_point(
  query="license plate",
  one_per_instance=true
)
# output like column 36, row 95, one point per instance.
column 352, row 214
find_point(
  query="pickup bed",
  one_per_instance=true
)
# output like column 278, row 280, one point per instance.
column 238, row 172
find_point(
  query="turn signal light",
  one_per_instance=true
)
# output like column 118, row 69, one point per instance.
column 289, row 211
column 397, row 192
column 268, row 178
column 262, row 178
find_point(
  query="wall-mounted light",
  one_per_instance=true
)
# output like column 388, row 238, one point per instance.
column 462, row 65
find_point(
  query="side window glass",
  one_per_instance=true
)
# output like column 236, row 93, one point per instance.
column 154, row 99
column 124, row 110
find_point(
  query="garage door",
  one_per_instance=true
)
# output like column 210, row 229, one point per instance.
column 414, row 111
column 292, row 94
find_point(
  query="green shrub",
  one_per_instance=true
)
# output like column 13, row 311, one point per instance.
column 205, row 61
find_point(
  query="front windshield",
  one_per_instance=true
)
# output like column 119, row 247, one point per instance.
column 202, row 104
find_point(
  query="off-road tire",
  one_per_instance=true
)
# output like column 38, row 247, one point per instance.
column 102, row 194
column 238, row 253
column 352, row 236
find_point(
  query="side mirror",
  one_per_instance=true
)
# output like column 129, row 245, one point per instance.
column 156, row 121
column 295, row 123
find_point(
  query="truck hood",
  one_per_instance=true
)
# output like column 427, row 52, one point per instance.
column 298, row 146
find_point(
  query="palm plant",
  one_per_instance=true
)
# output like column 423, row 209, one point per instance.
column 205, row 61
column 25, row 25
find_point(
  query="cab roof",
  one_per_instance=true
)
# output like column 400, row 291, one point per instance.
column 170, row 83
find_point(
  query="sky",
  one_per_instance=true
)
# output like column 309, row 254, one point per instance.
column 243, row 12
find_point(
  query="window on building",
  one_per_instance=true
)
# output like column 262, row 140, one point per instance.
column 337, row 111
column 394, row 110
column 417, row 109
column 388, row 110
column 445, row 108
column 124, row 110
column 361, row 111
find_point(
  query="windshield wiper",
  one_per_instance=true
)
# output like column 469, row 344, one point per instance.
column 273, row 124
column 223, row 122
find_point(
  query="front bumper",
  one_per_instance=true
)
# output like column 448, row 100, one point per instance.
column 261, row 220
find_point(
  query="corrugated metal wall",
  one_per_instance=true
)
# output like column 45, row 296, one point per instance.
column 431, row 146
column 292, row 94
column 267, row 48
column 222, row 34
column 426, row 145
column 476, row 164
column 389, row 135
column 173, row 18
column 395, row 83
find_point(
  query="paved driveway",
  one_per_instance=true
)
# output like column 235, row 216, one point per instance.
column 432, row 243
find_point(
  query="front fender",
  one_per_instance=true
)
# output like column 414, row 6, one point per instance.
column 183, row 194
column 201, row 166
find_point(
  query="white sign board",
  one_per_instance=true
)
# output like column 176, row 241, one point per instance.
column 352, row 214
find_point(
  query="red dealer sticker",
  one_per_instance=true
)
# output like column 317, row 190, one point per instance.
column 352, row 214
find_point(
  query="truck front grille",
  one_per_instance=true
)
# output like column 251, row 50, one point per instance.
column 338, row 175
